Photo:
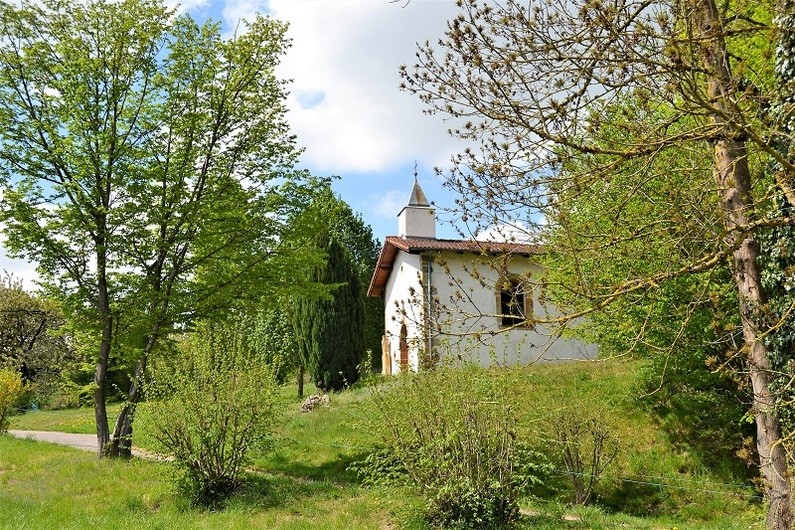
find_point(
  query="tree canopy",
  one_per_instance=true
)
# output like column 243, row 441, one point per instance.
column 143, row 159
column 29, row 339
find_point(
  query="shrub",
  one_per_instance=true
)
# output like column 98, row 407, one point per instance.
column 11, row 389
column 587, row 449
column 452, row 431
column 381, row 468
column 214, row 404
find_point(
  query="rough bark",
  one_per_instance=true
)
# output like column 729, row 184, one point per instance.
column 101, row 370
column 747, row 280
column 121, row 439
column 100, row 411
column 733, row 179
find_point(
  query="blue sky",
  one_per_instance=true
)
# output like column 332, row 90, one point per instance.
column 345, row 105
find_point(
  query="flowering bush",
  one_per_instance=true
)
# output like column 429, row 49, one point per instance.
column 11, row 388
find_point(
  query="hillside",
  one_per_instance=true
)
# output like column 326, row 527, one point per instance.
column 305, row 481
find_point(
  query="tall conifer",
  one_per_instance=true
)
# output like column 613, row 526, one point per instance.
column 330, row 330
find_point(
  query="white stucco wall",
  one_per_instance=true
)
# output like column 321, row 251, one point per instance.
column 466, row 293
column 465, row 310
column 417, row 221
column 402, row 307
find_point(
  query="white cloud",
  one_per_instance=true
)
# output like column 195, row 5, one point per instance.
column 387, row 205
column 21, row 270
column 345, row 59
column 236, row 10
column 185, row 5
column 511, row 233
column 18, row 268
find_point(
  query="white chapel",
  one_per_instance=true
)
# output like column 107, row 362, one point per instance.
column 461, row 300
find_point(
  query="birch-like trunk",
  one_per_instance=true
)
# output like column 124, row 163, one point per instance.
column 733, row 179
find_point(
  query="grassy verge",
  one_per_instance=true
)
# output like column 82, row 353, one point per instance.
column 47, row 486
column 77, row 421
column 305, row 483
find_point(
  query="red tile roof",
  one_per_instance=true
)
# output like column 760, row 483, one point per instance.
column 417, row 245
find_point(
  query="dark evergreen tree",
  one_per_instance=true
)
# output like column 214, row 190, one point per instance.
column 329, row 213
column 357, row 237
column 330, row 330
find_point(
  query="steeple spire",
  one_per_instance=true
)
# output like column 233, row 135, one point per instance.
column 417, row 196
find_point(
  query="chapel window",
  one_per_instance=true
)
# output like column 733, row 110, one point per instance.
column 513, row 303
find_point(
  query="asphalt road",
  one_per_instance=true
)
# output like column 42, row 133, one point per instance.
column 85, row 442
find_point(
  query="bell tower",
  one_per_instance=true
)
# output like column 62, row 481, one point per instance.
column 418, row 217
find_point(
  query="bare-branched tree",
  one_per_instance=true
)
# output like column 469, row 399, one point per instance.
column 641, row 130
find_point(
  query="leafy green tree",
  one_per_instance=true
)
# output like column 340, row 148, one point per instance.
column 28, row 341
column 273, row 340
column 687, row 327
column 137, row 150
column 532, row 87
column 329, row 329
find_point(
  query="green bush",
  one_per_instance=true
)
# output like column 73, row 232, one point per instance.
column 381, row 468
column 452, row 431
column 587, row 448
column 465, row 505
column 274, row 342
column 11, row 389
column 214, row 403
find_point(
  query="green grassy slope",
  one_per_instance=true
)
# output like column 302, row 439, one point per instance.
column 305, row 483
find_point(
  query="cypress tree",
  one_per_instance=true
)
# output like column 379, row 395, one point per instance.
column 330, row 330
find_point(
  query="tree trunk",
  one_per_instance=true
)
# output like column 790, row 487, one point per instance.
column 772, row 459
column 101, row 370
column 100, row 410
column 733, row 180
column 301, row 381
column 121, row 439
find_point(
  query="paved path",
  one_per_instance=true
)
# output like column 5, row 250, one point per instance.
column 85, row 442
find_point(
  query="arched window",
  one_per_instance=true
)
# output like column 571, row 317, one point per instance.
column 404, row 347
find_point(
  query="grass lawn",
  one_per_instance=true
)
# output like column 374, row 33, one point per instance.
column 47, row 486
column 77, row 421
column 304, row 482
